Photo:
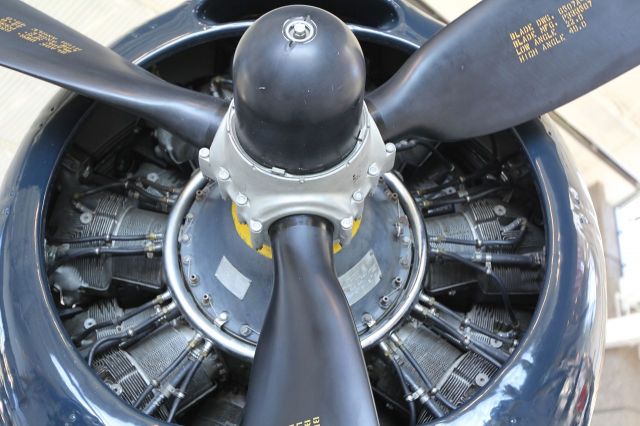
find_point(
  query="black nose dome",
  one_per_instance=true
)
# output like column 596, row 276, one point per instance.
column 299, row 77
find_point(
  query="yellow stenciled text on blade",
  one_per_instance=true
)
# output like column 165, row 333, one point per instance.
column 9, row 24
column 547, row 32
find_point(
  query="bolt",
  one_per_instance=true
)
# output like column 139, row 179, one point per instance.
column 495, row 343
column 481, row 379
column 255, row 226
column 245, row 330
column 224, row 316
column 346, row 223
column 223, row 174
column 86, row 218
column 374, row 170
column 241, row 199
column 89, row 322
column 367, row 318
column 357, row 196
column 390, row 148
column 384, row 302
column 206, row 299
column 203, row 153
column 499, row 210
column 299, row 30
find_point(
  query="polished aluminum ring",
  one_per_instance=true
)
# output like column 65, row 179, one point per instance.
column 246, row 351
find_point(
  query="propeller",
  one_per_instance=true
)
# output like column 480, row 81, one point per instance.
column 502, row 63
column 37, row 45
column 506, row 62
column 308, row 365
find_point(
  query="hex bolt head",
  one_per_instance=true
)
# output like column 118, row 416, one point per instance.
column 255, row 226
column 299, row 29
column 373, row 170
column 241, row 199
column 193, row 279
column 390, row 148
column 499, row 210
column 89, row 322
column 346, row 223
column 203, row 153
column 223, row 174
column 245, row 330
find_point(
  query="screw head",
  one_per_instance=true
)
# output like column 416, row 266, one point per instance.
column 203, row 153
column 481, row 379
column 241, row 199
column 373, row 170
column 390, row 148
column 499, row 210
column 346, row 223
column 357, row 196
column 86, row 218
column 89, row 322
column 223, row 174
column 299, row 30
column 255, row 226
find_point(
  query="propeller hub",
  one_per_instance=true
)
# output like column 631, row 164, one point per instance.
column 298, row 138
column 299, row 76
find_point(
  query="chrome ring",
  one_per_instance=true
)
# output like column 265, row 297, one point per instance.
column 246, row 351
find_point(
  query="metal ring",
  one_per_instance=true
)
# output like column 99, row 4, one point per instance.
column 176, row 284
column 418, row 267
column 246, row 351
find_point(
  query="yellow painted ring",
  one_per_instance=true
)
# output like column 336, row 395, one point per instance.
column 243, row 232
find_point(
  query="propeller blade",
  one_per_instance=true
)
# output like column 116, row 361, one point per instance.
column 308, row 367
column 505, row 62
column 37, row 45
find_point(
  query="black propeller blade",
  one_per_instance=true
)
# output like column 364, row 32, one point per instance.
column 505, row 62
column 35, row 44
column 308, row 365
